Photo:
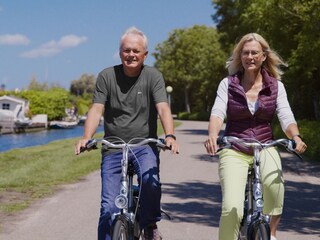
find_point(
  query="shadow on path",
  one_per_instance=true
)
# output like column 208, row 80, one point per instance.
column 295, row 165
column 200, row 202
column 301, row 212
column 301, row 208
column 301, row 205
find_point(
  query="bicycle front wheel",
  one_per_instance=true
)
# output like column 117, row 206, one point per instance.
column 242, row 233
column 260, row 231
column 120, row 229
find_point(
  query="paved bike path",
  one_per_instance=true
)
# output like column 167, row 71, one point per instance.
column 191, row 194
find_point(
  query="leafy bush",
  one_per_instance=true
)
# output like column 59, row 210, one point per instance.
column 198, row 116
column 52, row 102
column 183, row 115
column 309, row 130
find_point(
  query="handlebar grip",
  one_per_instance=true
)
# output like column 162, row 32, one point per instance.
column 163, row 144
column 91, row 144
column 292, row 144
column 220, row 140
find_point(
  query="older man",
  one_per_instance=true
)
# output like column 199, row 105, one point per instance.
column 130, row 96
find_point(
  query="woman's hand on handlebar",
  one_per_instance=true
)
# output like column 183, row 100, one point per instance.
column 301, row 146
column 211, row 145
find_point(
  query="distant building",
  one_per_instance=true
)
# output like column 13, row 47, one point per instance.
column 13, row 112
column 18, row 106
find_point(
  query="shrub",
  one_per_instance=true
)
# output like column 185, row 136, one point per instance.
column 183, row 115
column 200, row 116
column 197, row 116
column 309, row 130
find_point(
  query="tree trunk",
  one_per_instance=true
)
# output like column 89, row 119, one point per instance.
column 186, row 99
column 316, row 98
column 316, row 103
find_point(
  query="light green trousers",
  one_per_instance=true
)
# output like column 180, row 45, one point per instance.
column 233, row 169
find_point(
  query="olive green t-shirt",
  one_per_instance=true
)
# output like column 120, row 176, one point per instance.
column 130, row 110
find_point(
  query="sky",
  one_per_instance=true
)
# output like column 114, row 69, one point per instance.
column 59, row 40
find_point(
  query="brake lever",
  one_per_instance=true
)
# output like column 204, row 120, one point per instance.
column 290, row 148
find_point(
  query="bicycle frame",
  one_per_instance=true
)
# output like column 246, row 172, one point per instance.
column 257, row 191
column 125, row 222
column 253, row 205
column 124, row 201
column 254, row 220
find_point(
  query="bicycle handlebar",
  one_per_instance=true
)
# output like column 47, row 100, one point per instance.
column 93, row 143
column 227, row 141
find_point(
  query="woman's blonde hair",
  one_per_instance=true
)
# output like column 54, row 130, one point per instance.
column 272, row 63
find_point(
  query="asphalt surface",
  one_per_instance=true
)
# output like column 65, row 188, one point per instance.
column 191, row 194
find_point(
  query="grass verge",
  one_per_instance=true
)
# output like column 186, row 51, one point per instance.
column 28, row 174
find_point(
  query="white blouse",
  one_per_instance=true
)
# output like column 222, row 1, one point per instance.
column 283, row 110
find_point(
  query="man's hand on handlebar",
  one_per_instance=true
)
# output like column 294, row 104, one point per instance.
column 172, row 144
column 80, row 145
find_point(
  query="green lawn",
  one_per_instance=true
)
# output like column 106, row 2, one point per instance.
column 31, row 173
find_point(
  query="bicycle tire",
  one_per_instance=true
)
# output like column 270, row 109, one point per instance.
column 259, row 230
column 136, row 230
column 120, row 229
column 242, row 235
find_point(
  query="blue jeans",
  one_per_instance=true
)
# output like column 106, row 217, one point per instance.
column 148, row 159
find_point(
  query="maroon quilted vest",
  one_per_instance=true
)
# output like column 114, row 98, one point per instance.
column 240, row 122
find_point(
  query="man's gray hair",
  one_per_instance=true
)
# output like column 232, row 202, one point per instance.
column 135, row 31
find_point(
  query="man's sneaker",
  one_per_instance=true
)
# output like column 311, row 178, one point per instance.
column 151, row 233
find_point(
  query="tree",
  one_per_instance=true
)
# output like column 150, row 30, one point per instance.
column 228, row 24
column 82, row 103
column 193, row 63
column 85, row 84
column 52, row 102
column 81, row 93
column 35, row 85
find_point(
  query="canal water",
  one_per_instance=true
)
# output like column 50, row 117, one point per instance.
column 12, row 141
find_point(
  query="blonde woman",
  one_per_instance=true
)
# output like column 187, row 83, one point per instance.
column 248, row 99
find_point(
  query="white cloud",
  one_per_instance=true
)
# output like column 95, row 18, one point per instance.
column 54, row 47
column 14, row 39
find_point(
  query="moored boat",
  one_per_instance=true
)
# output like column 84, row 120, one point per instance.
column 62, row 124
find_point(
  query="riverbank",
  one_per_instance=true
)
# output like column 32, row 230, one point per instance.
column 32, row 128
column 28, row 174
column 39, row 136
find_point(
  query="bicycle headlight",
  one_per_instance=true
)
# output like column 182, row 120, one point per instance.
column 121, row 201
column 259, row 203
